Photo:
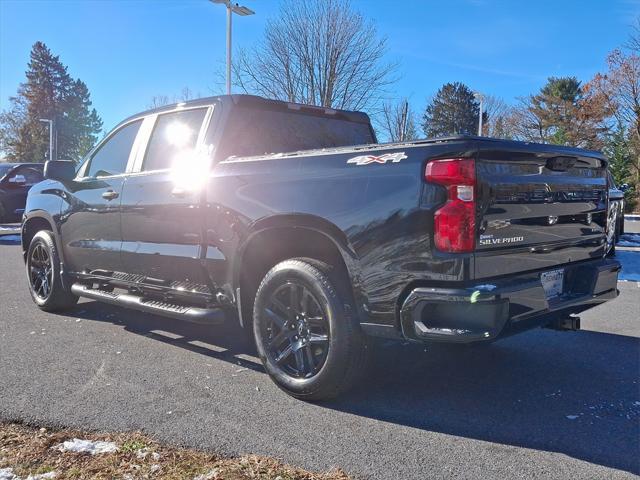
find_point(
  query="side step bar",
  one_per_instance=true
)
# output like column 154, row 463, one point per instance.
column 205, row 316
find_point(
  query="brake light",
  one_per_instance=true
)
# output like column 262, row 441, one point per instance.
column 455, row 222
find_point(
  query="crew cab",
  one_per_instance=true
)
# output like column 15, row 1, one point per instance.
column 293, row 221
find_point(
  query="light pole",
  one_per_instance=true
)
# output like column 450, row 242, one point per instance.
column 50, row 122
column 480, row 98
column 231, row 9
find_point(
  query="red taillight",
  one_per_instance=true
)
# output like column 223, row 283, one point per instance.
column 455, row 222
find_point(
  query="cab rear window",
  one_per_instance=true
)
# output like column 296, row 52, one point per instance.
column 251, row 131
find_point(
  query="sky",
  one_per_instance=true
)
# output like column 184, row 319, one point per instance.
column 128, row 51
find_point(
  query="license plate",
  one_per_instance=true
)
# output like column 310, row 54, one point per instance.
column 552, row 282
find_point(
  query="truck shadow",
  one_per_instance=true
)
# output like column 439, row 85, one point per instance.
column 575, row 393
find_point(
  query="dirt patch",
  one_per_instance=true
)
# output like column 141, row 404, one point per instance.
column 47, row 454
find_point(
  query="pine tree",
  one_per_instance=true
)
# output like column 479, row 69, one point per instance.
column 49, row 92
column 453, row 110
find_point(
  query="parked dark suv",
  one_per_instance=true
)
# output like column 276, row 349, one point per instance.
column 293, row 221
column 15, row 181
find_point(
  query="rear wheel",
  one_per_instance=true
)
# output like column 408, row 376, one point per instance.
column 306, row 337
column 43, row 271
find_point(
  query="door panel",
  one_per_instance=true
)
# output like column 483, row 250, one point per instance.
column 162, row 218
column 90, row 230
column 161, row 231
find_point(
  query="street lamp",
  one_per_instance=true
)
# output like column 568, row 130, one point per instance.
column 478, row 96
column 50, row 122
column 231, row 9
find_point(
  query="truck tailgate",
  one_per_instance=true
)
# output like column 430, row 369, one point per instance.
column 538, row 208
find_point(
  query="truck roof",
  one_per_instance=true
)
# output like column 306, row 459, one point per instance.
column 256, row 101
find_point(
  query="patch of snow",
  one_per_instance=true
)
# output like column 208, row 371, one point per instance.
column 142, row 453
column 87, row 446
column 7, row 474
column 630, row 265
column 210, row 475
column 42, row 476
column 629, row 240
column 572, row 417
column 154, row 468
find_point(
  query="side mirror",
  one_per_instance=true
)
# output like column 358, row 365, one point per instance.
column 63, row 170
column 624, row 187
column 18, row 180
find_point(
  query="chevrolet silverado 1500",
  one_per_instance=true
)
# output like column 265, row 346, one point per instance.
column 292, row 220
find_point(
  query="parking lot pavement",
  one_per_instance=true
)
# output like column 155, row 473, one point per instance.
column 541, row 404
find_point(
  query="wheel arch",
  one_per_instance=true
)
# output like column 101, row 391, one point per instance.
column 277, row 238
column 35, row 222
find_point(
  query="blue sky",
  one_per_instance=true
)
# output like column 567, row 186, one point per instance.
column 127, row 51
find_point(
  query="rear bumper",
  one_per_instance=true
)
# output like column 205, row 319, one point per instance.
column 491, row 309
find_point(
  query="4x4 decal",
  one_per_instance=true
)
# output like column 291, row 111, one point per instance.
column 367, row 159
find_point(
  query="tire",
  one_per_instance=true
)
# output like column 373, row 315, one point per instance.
column 306, row 336
column 43, row 274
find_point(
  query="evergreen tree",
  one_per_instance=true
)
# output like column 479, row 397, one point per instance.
column 49, row 92
column 563, row 113
column 619, row 151
column 453, row 110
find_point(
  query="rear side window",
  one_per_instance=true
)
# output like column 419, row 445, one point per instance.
column 112, row 157
column 259, row 131
column 173, row 135
column 32, row 175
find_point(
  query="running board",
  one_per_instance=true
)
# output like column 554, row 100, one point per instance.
column 205, row 316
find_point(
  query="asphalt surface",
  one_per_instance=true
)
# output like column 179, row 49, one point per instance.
column 542, row 404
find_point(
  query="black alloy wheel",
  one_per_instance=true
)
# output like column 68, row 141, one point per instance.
column 40, row 272
column 297, row 331
column 44, row 274
column 305, row 330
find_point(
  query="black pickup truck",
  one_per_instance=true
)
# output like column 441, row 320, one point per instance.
column 292, row 220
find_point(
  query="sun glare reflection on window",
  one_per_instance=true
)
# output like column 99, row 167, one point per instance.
column 179, row 134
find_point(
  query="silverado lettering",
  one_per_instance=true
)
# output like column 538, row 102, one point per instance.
column 499, row 241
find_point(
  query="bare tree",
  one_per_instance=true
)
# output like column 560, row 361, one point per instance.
column 318, row 52
column 633, row 43
column 497, row 123
column 158, row 101
column 398, row 121
column 185, row 95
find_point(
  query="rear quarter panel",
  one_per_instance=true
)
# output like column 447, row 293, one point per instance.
column 379, row 209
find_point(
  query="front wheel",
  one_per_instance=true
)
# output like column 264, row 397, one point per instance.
column 43, row 271
column 306, row 336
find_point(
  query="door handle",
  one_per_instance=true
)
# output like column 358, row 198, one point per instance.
column 110, row 195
